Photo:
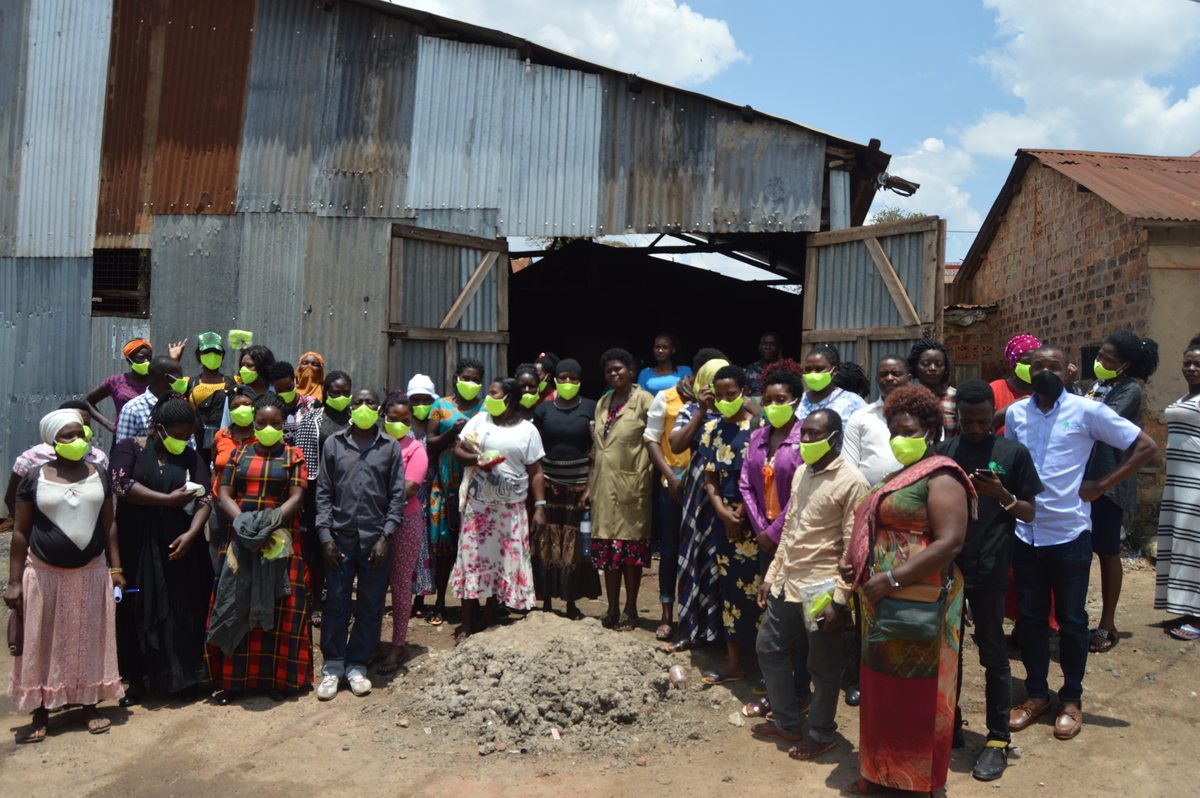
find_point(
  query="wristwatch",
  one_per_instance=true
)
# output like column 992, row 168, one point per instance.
column 1008, row 507
column 892, row 580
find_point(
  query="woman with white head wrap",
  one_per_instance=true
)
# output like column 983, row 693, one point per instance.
column 422, row 393
column 61, row 585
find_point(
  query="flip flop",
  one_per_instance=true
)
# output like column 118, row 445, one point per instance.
column 98, row 725
column 1102, row 641
column 435, row 620
column 679, row 647
column 625, row 623
column 664, row 631
column 1185, row 632
column 775, row 733
column 760, row 688
column 388, row 668
column 803, row 752
column 757, row 709
column 315, row 620
column 716, row 677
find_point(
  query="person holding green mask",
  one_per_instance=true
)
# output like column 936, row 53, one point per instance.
column 502, row 454
column 331, row 417
column 282, row 377
column 208, row 392
column 160, row 531
column 253, row 365
column 447, row 418
column 726, row 441
column 268, row 475
column 422, row 393
column 165, row 375
column 907, row 532
column 123, row 388
column 528, row 382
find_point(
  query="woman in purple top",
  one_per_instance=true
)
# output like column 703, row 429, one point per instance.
column 772, row 459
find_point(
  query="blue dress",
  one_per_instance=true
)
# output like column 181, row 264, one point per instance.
column 656, row 384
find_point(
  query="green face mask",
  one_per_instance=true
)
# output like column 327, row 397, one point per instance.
column 364, row 417
column 268, row 436
column 174, row 445
column 242, row 415
column 179, row 386
column 397, row 429
column 249, row 376
column 908, row 450
column 338, row 403
column 812, row 452
column 140, row 368
column 818, row 380
column 495, row 407
column 542, row 386
column 421, row 411
column 567, row 390
column 1103, row 373
column 75, row 450
column 211, row 360
column 779, row 415
column 287, row 396
column 528, row 400
column 87, row 432
column 1022, row 372
column 729, row 409
column 467, row 390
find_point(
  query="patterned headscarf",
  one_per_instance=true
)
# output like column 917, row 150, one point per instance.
column 53, row 422
column 1019, row 346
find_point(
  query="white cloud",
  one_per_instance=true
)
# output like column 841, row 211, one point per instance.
column 1087, row 72
column 940, row 169
column 660, row 39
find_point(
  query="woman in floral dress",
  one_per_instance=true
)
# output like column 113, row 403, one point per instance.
column 725, row 441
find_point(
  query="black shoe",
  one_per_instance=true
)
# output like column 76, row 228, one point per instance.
column 189, row 694
column 852, row 696
column 991, row 763
column 129, row 699
column 959, row 740
column 227, row 697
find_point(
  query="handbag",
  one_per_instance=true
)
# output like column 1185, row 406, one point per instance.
column 913, row 613
column 16, row 633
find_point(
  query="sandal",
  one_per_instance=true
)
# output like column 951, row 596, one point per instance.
column 315, row 620
column 1102, row 640
column 664, row 631
column 388, row 668
column 1185, row 632
column 804, row 752
column 757, row 709
column 609, row 622
column 716, row 677
column 95, row 722
column 625, row 623
column 774, row 732
column 760, row 688
column 679, row 647
column 37, row 732
column 436, row 619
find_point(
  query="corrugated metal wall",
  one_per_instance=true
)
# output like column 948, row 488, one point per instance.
column 194, row 278
column 486, row 135
column 205, row 68
column 45, row 332
column 13, row 62
column 67, row 56
column 270, row 293
column 850, row 292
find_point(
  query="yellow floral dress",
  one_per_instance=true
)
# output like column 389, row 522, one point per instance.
column 724, row 445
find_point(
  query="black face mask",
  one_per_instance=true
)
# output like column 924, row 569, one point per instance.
column 1048, row 384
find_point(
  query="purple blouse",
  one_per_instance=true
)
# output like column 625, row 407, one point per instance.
column 753, row 487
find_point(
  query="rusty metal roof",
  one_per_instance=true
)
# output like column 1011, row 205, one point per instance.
column 1143, row 186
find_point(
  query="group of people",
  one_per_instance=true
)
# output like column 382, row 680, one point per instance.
column 790, row 513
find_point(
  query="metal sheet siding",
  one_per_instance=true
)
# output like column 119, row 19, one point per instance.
column 851, row 293
column 345, row 297
column 13, row 62
column 130, row 121
column 270, row 291
column 421, row 357
column 486, row 135
column 366, row 122
column 67, row 54
column 45, row 332
column 194, row 279
column 282, row 133
column 671, row 160
column 205, row 68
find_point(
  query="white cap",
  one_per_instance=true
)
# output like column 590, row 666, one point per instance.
column 421, row 384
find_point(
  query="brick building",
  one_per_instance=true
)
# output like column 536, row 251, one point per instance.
column 1079, row 245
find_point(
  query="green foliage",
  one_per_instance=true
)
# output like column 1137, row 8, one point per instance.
column 890, row 213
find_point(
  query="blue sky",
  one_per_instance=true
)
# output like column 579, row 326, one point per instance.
column 952, row 89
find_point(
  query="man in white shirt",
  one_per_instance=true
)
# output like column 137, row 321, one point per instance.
column 1053, row 553
column 868, row 442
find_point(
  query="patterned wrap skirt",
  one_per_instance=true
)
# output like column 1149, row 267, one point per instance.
column 560, row 571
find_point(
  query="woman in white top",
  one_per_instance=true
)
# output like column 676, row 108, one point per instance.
column 501, row 452
column 60, row 584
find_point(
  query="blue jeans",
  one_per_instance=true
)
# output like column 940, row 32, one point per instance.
column 668, row 515
column 1062, row 570
column 346, row 651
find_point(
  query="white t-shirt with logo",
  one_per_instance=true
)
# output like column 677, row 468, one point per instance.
column 520, row 445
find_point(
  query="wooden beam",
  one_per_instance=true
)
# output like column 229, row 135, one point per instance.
column 939, row 324
column 451, row 354
column 863, row 349
column 931, row 274
column 902, row 227
column 435, row 334
column 809, row 292
column 453, row 239
column 892, row 281
column 396, row 282
column 469, row 290
column 874, row 333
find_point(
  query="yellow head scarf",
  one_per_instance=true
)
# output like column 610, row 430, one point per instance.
column 708, row 373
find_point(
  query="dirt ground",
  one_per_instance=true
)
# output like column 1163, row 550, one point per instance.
column 1141, row 734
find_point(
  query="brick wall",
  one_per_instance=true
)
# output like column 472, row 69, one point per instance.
column 979, row 343
column 1070, row 268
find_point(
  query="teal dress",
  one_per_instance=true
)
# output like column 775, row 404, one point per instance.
column 447, row 477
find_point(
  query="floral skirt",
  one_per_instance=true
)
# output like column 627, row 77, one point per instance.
column 70, row 649
column 737, row 562
column 493, row 555
column 610, row 555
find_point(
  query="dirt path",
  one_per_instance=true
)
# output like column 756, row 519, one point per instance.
column 1141, row 735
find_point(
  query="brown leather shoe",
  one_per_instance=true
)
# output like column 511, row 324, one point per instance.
column 1026, row 713
column 1069, row 722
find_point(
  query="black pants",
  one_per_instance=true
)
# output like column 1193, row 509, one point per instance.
column 987, row 609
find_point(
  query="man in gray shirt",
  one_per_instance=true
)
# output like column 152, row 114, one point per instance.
column 360, row 504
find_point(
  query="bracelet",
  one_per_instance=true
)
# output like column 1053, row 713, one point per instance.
column 1014, row 504
column 892, row 580
column 540, row 503
column 112, row 571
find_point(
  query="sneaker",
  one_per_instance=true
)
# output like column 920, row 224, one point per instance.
column 360, row 685
column 328, row 687
column 992, row 762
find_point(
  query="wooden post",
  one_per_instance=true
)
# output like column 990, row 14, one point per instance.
column 451, row 362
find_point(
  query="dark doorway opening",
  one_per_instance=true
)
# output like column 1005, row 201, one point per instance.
column 586, row 298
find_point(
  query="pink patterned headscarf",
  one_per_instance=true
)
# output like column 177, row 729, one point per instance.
column 1019, row 346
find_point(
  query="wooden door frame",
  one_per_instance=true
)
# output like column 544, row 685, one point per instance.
column 495, row 257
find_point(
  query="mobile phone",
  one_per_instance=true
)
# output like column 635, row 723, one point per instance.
column 986, row 471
